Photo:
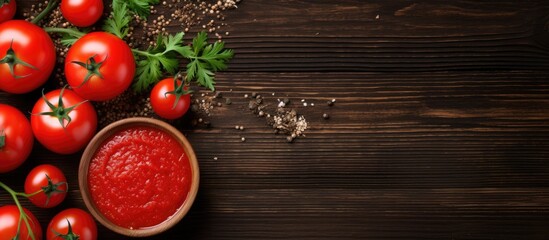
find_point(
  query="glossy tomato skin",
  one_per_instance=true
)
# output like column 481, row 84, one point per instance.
column 75, row 135
column 82, row 225
column 7, row 11
column 82, row 13
column 162, row 103
column 117, row 69
column 32, row 45
column 16, row 129
column 9, row 218
column 37, row 179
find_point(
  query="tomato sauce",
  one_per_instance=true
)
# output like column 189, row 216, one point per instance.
column 139, row 177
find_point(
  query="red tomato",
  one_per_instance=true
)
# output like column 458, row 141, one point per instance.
column 164, row 96
column 9, row 220
column 27, row 56
column 99, row 66
column 7, row 10
column 51, row 184
column 82, row 13
column 16, row 138
column 66, row 126
column 81, row 225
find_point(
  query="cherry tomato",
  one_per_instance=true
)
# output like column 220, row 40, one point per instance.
column 7, row 10
column 82, row 13
column 63, row 122
column 9, row 220
column 16, row 138
column 81, row 223
column 164, row 96
column 27, row 56
column 99, row 66
column 51, row 184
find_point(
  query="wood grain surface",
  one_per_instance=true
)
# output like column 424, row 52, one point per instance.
column 440, row 129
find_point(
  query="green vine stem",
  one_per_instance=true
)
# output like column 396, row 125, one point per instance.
column 22, row 215
column 51, row 5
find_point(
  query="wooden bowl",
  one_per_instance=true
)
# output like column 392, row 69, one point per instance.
column 96, row 143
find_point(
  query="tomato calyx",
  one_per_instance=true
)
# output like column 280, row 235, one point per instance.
column 11, row 59
column 93, row 68
column 52, row 189
column 4, row 2
column 23, row 217
column 70, row 234
column 60, row 111
column 179, row 89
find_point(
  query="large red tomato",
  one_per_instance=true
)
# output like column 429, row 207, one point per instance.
column 72, row 223
column 63, row 122
column 47, row 186
column 82, row 13
column 27, row 56
column 16, row 138
column 9, row 220
column 99, row 66
column 7, row 10
column 169, row 99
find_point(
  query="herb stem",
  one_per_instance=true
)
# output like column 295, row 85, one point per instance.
column 148, row 54
column 51, row 5
column 69, row 31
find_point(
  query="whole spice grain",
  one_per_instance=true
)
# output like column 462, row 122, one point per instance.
column 282, row 120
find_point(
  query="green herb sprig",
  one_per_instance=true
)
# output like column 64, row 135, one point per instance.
column 142, row 7
column 204, row 60
column 119, row 20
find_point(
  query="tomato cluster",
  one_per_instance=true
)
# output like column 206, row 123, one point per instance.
column 99, row 66
column 46, row 187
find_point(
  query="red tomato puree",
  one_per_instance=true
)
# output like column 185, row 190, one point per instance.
column 139, row 177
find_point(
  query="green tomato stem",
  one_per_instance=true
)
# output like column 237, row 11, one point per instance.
column 51, row 5
column 22, row 215
column 2, row 139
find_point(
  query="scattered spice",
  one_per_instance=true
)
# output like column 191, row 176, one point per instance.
column 325, row 116
column 285, row 121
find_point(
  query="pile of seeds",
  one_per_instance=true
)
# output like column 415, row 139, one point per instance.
column 282, row 120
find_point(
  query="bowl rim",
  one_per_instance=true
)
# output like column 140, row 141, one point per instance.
column 108, row 131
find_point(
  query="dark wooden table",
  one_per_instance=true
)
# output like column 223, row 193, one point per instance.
column 440, row 129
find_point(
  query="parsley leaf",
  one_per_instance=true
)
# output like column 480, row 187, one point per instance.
column 152, row 63
column 142, row 7
column 119, row 20
column 206, row 59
